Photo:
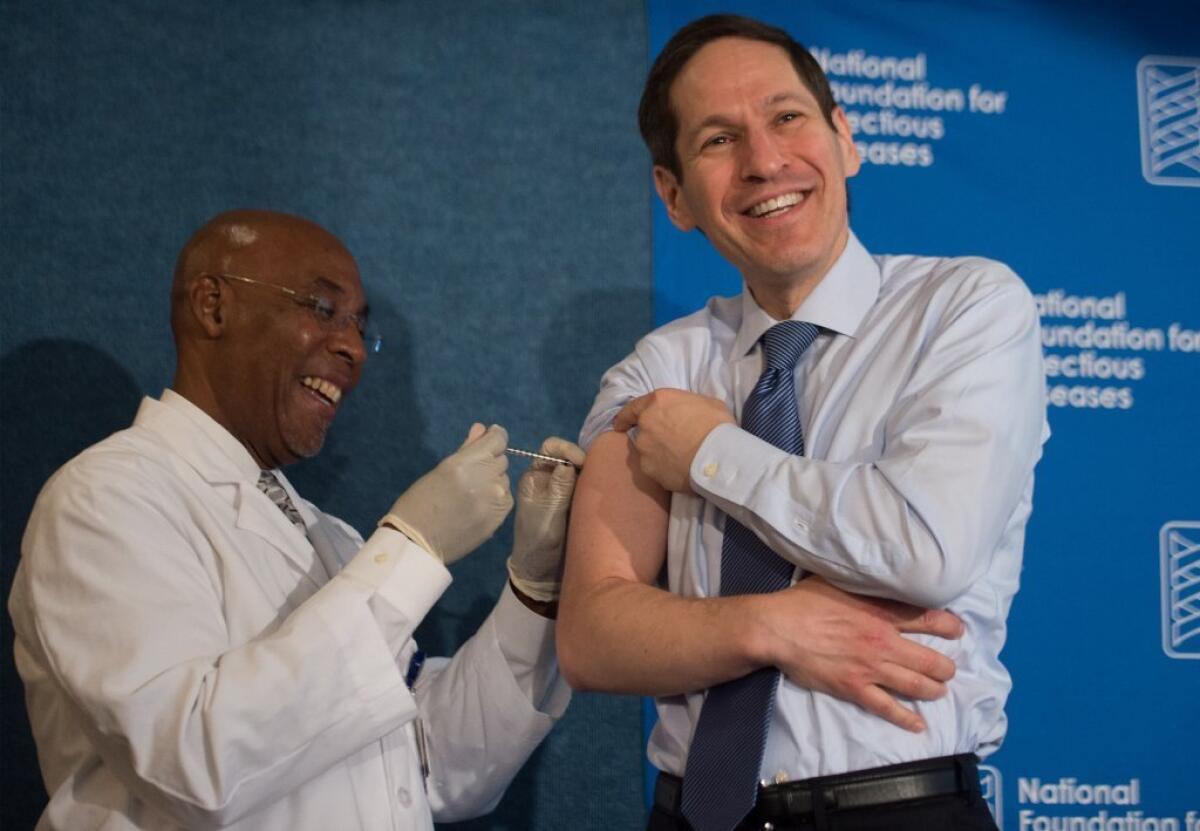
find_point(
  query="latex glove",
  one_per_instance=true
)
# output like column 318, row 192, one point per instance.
column 540, row 530
column 460, row 503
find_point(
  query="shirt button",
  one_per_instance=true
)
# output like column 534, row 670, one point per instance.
column 381, row 558
column 403, row 796
column 710, row 469
column 801, row 524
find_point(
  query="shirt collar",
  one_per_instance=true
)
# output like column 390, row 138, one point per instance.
column 232, row 449
column 839, row 302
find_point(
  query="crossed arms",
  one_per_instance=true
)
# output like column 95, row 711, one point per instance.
column 919, row 523
column 618, row 632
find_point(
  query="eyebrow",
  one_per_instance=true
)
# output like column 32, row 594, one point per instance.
column 324, row 283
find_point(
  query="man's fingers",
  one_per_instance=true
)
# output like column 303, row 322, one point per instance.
column 630, row 413
column 879, row 701
column 563, row 449
column 921, row 659
column 474, row 433
column 910, row 684
column 939, row 622
column 562, row 478
column 490, row 442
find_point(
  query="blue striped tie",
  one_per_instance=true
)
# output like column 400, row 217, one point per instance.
column 721, row 779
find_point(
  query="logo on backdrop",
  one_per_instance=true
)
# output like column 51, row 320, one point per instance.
column 1169, row 105
column 991, row 787
column 1179, row 544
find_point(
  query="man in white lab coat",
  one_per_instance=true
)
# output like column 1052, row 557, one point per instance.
column 203, row 648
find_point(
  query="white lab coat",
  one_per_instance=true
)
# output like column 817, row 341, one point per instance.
column 187, row 662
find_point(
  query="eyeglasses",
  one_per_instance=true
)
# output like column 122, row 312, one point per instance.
column 322, row 309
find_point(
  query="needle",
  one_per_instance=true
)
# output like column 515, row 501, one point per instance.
column 531, row 455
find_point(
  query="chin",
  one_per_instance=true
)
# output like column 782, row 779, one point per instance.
column 304, row 444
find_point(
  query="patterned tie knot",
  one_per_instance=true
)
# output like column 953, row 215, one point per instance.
column 784, row 343
column 269, row 484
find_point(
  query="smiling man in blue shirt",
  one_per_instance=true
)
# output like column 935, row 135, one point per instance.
column 889, row 483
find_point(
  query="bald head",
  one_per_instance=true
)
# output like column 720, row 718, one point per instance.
column 220, row 244
column 257, row 346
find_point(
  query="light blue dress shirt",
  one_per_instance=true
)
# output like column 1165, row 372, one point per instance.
column 923, row 404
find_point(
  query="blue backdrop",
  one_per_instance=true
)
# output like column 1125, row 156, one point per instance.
column 482, row 162
column 1063, row 139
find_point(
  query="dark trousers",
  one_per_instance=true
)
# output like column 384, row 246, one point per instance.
column 961, row 811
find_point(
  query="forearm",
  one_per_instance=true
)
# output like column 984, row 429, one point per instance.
column 617, row 631
column 627, row 637
column 850, row 524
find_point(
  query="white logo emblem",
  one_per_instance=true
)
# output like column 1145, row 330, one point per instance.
column 1179, row 544
column 1169, row 104
column 990, row 785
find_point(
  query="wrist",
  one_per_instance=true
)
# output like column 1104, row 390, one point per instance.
column 397, row 524
column 545, row 608
column 761, row 640
column 543, row 589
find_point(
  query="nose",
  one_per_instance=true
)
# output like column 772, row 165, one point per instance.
column 346, row 342
column 762, row 157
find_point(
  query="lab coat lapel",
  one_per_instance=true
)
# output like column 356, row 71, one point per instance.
column 322, row 534
column 255, row 512
column 324, row 537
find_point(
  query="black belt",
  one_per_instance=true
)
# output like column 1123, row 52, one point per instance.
column 944, row 776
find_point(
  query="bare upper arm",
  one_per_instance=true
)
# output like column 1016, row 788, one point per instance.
column 618, row 519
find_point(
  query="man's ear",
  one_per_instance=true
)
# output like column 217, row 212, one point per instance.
column 671, row 194
column 208, row 297
column 851, row 161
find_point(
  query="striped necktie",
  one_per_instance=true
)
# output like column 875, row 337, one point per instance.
column 721, row 778
column 269, row 484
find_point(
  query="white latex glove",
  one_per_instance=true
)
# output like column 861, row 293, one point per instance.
column 460, row 503
column 540, row 530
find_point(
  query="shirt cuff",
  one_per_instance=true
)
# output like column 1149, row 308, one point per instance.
column 526, row 641
column 405, row 581
column 730, row 465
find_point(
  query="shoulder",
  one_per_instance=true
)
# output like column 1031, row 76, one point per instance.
column 952, row 274
column 669, row 352
column 131, row 455
column 718, row 318
column 948, row 287
column 130, row 471
column 670, row 356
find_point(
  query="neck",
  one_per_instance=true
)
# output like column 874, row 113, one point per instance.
column 195, row 387
column 780, row 301
column 780, row 295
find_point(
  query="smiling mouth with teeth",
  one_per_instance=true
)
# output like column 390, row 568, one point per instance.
column 775, row 206
column 330, row 392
